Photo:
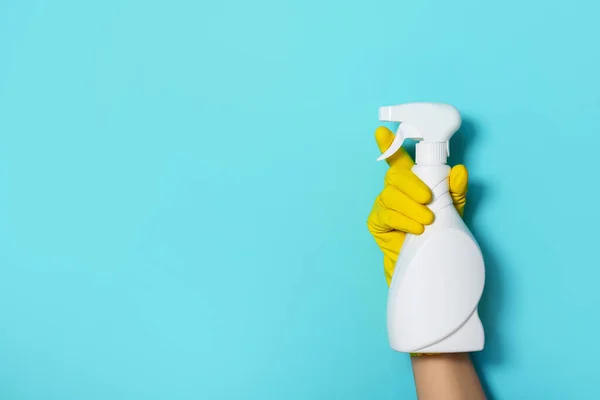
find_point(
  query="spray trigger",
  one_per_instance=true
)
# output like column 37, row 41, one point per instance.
column 404, row 131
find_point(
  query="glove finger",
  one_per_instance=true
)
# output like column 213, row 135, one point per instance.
column 388, row 269
column 384, row 220
column 459, row 185
column 393, row 199
column 408, row 183
column 390, row 243
column 384, row 138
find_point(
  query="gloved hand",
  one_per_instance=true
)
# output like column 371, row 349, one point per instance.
column 401, row 207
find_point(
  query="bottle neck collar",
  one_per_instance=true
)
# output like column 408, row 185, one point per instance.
column 431, row 153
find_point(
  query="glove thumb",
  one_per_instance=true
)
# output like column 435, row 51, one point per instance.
column 459, row 185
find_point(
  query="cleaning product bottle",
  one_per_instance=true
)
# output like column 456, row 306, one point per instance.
column 439, row 275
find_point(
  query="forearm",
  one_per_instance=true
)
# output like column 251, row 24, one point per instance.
column 446, row 377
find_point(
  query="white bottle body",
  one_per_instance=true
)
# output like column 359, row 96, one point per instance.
column 438, row 280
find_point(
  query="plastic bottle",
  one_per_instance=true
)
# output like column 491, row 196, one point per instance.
column 439, row 275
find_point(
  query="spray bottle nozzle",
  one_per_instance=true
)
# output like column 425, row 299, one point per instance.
column 429, row 122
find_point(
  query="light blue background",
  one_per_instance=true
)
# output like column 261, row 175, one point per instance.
column 184, row 187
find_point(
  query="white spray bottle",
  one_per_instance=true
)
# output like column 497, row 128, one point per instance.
column 439, row 275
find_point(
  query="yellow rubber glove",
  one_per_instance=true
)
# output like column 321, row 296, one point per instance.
column 401, row 207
